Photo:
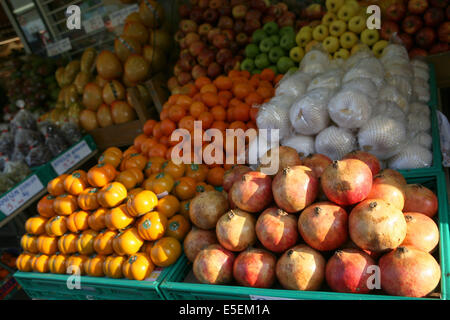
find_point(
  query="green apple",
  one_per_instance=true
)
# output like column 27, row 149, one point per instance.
column 358, row 47
column 370, row 37
column 247, row 64
column 333, row 5
column 378, row 47
column 275, row 54
column 296, row 54
column 262, row 61
column 348, row 39
column 328, row 18
column 341, row 54
column 346, row 12
column 276, row 39
column 271, row 28
column 284, row 64
column 256, row 71
column 357, row 24
column 266, row 44
column 274, row 68
column 331, row 44
column 258, row 35
column 320, row 32
column 251, row 50
column 287, row 30
column 292, row 70
column 304, row 36
column 287, row 41
column 337, row 28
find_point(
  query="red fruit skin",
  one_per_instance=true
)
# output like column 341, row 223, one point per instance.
column 389, row 190
column 351, row 245
column 433, row 17
column 253, row 192
column 409, row 272
column 276, row 232
column 447, row 12
column 233, row 175
column 347, row 271
column 214, row 265
column 196, row 240
column 420, row 199
column 317, row 162
column 396, row 12
column 438, row 3
column 366, row 157
column 421, row 232
column 412, row 24
column 444, row 32
column 393, row 174
column 324, row 226
column 347, row 182
column 439, row 48
column 294, row 188
column 255, row 268
column 417, row 52
column 425, row 37
column 417, row 6
column 407, row 40
column 388, row 28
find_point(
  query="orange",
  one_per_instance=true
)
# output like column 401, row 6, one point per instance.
column 209, row 88
column 148, row 127
column 185, row 188
column 242, row 112
column 184, row 101
column 197, row 108
column 198, row 172
column 176, row 113
column 210, row 99
column 223, row 102
column 190, row 89
column 167, row 127
column 234, row 103
column 157, row 131
column 230, row 114
column 245, row 74
column 187, row 123
column 197, row 97
column 207, row 119
column 164, row 140
column 202, row 81
column 221, row 125
column 219, row 113
column 158, row 150
column 223, row 83
column 265, row 92
column 173, row 99
column 139, row 140
column 202, row 187
column 251, row 125
column 164, row 114
column 234, row 74
column 148, row 144
column 277, row 78
column 254, row 80
column 215, row 176
column 268, row 74
column 253, row 113
column 253, row 99
column 238, row 125
column 168, row 206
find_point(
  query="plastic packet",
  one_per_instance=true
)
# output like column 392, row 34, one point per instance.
column 71, row 132
column 23, row 120
column 335, row 142
column 412, row 156
column 391, row 110
column 16, row 170
column 402, row 84
column 294, row 85
column 393, row 68
column 304, row 145
column 394, row 51
column 350, row 109
column 54, row 138
column 357, row 57
column 25, row 139
column 422, row 138
column 419, row 108
column 382, row 136
column 389, row 93
column 417, row 123
column 314, row 62
column 38, row 155
column 275, row 115
column 421, row 90
column 309, row 115
column 329, row 80
column 5, row 183
column 364, row 85
column 369, row 68
column 6, row 144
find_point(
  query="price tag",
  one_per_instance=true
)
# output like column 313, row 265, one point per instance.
column 71, row 157
column 15, row 198
column 58, row 47
column 253, row 297
column 118, row 17
column 94, row 23
column 155, row 274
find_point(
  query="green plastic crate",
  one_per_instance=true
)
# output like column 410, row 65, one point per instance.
column 176, row 286
column 54, row 287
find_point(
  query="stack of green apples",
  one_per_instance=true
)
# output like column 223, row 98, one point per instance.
column 271, row 47
column 342, row 31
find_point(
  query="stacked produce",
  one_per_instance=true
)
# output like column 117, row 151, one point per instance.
column 9, row 260
column 299, row 229
column 334, row 107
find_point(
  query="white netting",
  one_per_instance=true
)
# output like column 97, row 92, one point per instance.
column 315, row 62
column 391, row 110
column 422, row 73
column 370, row 68
column 382, row 136
column 335, row 142
column 422, row 138
column 411, row 157
column 402, row 84
column 417, row 63
column 417, row 123
column 350, row 109
column 394, row 52
column 294, row 85
column 419, row 108
column 275, row 115
column 329, row 80
column 357, row 57
column 399, row 69
column 389, row 93
column 364, row 85
column 304, row 145
column 421, row 90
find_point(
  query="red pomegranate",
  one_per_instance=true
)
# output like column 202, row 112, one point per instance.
column 206, row 209
column 235, row 230
column 286, row 156
column 214, row 265
column 253, row 192
column 347, row 182
column 420, row 199
column 349, row 271
column 421, row 232
column 276, row 229
column 394, row 174
column 196, row 240
column 376, row 225
column 301, row 268
column 255, row 268
column 295, row 188
column 317, row 162
column 409, row 272
column 234, row 174
column 389, row 190
column 324, row 226
column 351, row 245
column 367, row 158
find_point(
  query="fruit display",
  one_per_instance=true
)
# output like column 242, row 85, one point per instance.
column 329, row 240
column 329, row 107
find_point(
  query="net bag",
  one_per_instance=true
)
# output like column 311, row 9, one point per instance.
column 275, row 115
column 335, row 142
column 389, row 93
column 304, row 145
column 294, row 85
column 419, row 108
column 390, row 109
column 412, row 156
column 365, row 85
column 328, row 80
column 350, row 109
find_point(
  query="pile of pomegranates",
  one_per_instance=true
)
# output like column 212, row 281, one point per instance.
column 345, row 226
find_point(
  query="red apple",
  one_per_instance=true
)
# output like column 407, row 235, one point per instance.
column 184, row 11
column 417, row 6
column 188, row 26
column 237, row 2
column 225, row 11
column 239, row 25
column 206, row 57
column 204, row 28
column 388, row 28
column 183, row 78
column 215, row 4
column 225, row 22
column 438, row 3
column 182, row 43
column 395, row 12
column 425, row 37
column 210, row 15
column 417, row 52
column 212, row 33
column 229, row 33
column 274, row 11
column 203, row 4
column 253, row 15
column 283, row 6
column 172, row 83
column 439, row 48
column 407, row 40
column 259, row 5
column 185, row 54
column 251, row 26
column 214, row 70
column 268, row 19
column 221, row 41
column 198, row 71
column 242, row 39
column 196, row 47
column 196, row 15
column 444, row 32
column 314, row 11
column 224, row 55
column 412, row 24
column 286, row 20
column 177, row 69
column 191, row 37
column 239, row 11
column 187, row 63
column 433, row 17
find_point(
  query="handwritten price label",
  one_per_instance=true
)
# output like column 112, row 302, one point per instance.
column 58, row 47
column 118, row 17
column 155, row 274
column 14, row 199
column 71, row 157
column 253, row 297
column 95, row 23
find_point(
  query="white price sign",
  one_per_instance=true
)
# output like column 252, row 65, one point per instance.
column 15, row 198
column 254, row 297
column 118, row 17
column 71, row 157
column 94, row 23
column 155, row 274
column 58, row 47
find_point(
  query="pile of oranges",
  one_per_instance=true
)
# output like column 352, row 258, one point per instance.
column 121, row 218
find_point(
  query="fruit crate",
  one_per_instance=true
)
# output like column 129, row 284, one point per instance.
column 180, row 284
column 56, row 286
column 8, row 287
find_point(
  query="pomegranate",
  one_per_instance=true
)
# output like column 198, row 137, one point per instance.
column 255, row 268
column 235, row 230
column 234, row 174
column 295, row 188
column 397, row 176
column 421, row 232
column 409, row 272
column 196, row 240
column 346, row 182
column 376, row 225
column 366, row 157
column 389, row 190
column 206, row 209
column 301, row 268
column 276, row 229
column 351, row 245
column 317, row 162
column 252, row 193
column 324, row 226
column 287, row 157
column 348, row 271
column 420, row 199
column 214, row 265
